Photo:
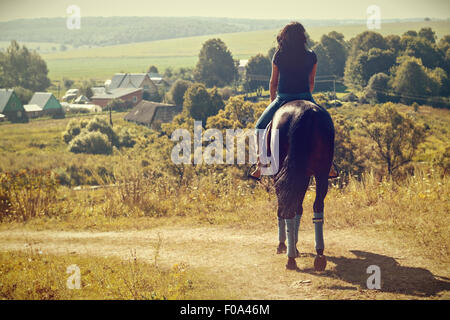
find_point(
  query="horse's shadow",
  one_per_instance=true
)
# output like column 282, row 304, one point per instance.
column 394, row 277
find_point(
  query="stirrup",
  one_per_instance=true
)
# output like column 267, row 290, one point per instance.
column 249, row 174
column 334, row 171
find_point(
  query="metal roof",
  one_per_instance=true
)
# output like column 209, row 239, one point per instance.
column 5, row 95
column 115, row 93
column 145, row 111
column 40, row 98
column 32, row 107
column 127, row 80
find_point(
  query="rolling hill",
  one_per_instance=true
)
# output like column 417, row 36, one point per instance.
column 101, row 62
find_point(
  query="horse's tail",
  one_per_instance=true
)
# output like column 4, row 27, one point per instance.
column 293, row 170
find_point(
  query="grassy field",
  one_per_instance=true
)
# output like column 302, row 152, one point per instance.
column 101, row 63
column 222, row 224
column 100, row 278
column 39, row 145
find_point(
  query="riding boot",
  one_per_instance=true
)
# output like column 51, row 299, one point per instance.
column 290, row 226
column 318, row 226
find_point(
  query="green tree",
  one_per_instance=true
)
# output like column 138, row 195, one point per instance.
column 378, row 88
column 257, row 72
column 369, row 54
column 410, row 33
column 331, row 51
column 68, row 83
column 366, row 41
column 270, row 53
column 428, row 34
column 152, row 69
column 216, row 99
column 439, row 84
column 411, row 80
column 23, row 94
column 176, row 93
column 359, row 70
column 23, row 68
column 86, row 88
column 198, row 103
column 393, row 43
column 119, row 105
column 344, row 147
column 237, row 113
column 396, row 136
column 168, row 73
column 444, row 43
column 423, row 49
column 215, row 66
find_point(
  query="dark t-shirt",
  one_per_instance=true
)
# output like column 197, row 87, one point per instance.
column 294, row 71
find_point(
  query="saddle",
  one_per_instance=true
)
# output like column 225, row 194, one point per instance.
column 334, row 171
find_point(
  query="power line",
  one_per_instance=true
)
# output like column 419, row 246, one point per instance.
column 420, row 97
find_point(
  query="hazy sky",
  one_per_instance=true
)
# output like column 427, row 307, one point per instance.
column 268, row 9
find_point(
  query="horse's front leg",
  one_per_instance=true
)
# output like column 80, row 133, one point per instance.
column 291, row 231
column 320, row 261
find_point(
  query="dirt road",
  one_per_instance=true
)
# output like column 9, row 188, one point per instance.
column 244, row 262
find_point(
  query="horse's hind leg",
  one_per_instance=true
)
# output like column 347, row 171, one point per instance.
column 292, row 226
column 282, row 222
column 321, row 192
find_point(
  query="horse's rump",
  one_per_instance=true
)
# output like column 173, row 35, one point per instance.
column 306, row 144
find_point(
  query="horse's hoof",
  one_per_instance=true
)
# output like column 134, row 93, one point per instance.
column 320, row 262
column 291, row 265
column 281, row 248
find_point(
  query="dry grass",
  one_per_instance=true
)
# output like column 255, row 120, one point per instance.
column 34, row 275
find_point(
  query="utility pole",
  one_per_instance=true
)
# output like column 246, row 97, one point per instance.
column 110, row 115
column 334, row 89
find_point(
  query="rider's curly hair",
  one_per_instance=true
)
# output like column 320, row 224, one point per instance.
column 292, row 38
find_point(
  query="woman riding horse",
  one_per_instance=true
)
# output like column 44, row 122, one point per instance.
column 293, row 72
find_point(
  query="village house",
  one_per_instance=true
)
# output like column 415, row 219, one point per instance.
column 242, row 66
column 33, row 110
column 11, row 107
column 70, row 95
column 133, row 95
column 99, row 90
column 47, row 102
column 158, row 80
column 82, row 100
column 133, row 80
column 152, row 114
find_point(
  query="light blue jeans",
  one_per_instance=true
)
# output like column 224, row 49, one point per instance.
column 276, row 104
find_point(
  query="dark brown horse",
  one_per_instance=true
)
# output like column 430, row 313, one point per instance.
column 306, row 145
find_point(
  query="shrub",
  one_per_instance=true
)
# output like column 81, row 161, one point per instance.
column 91, row 142
column 79, row 140
column 125, row 139
column 27, row 194
column 226, row 92
column 73, row 129
column 176, row 93
column 378, row 88
column 119, row 105
column 351, row 97
column 102, row 126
